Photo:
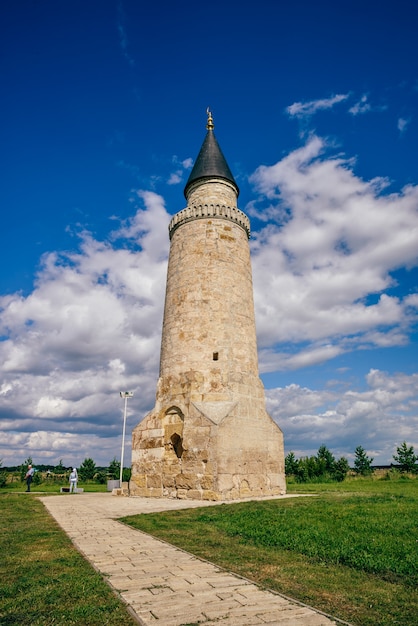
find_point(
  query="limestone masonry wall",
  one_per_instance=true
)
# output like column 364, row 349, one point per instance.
column 212, row 191
column 209, row 304
column 209, row 435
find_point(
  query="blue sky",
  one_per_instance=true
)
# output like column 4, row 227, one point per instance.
column 104, row 110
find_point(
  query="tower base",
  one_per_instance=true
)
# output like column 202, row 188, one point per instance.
column 213, row 449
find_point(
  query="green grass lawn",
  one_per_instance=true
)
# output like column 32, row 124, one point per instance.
column 44, row 581
column 351, row 551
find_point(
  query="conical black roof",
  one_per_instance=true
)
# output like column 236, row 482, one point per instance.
column 210, row 162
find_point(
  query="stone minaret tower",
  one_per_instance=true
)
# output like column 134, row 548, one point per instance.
column 209, row 436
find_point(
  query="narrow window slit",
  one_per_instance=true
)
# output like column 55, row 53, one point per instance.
column 177, row 444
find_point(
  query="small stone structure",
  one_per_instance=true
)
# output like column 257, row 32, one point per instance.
column 209, row 436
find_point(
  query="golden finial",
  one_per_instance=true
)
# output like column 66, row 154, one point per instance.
column 210, row 125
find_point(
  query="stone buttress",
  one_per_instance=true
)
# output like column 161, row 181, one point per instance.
column 209, row 436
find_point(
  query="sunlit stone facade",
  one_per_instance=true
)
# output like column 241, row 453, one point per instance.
column 209, row 436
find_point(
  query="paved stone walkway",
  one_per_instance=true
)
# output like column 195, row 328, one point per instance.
column 165, row 586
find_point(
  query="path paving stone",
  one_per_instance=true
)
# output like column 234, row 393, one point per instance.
column 165, row 586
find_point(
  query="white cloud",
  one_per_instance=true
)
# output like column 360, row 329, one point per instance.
column 177, row 176
column 362, row 106
column 403, row 124
column 91, row 327
column 379, row 418
column 307, row 109
column 187, row 163
column 332, row 241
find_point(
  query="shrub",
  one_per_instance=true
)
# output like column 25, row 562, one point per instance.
column 126, row 474
column 37, row 478
column 101, row 477
column 316, row 469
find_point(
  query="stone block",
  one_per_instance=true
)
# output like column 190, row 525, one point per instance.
column 207, row 482
column 154, row 481
column 185, row 481
column 225, row 482
column 194, row 494
column 169, row 481
column 208, row 494
column 140, row 480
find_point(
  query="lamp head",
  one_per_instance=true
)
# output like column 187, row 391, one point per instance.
column 126, row 394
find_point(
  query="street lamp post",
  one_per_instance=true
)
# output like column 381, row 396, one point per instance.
column 126, row 395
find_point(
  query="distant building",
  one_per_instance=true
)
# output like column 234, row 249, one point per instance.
column 209, row 436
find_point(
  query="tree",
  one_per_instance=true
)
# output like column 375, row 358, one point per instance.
column 59, row 469
column 362, row 463
column 126, row 474
column 290, row 464
column 406, row 458
column 87, row 469
column 114, row 469
column 340, row 469
column 320, row 468
column 326, row 460
column 101, row 477
column 37, row 477
column 24, row 468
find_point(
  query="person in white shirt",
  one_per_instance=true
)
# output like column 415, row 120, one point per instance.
column 29, row 477
column 73, row 480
